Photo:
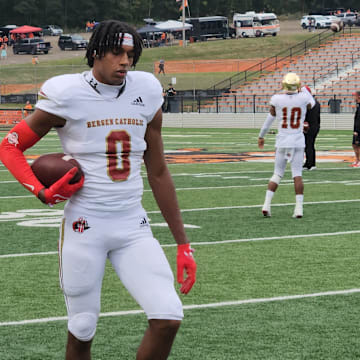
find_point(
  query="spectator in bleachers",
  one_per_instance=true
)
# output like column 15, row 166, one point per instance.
column 356, row 133
column 313, row 119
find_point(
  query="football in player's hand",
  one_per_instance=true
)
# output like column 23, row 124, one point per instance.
column 49, row 168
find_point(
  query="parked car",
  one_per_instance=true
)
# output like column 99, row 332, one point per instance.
column 52, row 30
column 72, row 41
column 321, row 22
column 31, row 46
column 348, row 19
column 332, row 18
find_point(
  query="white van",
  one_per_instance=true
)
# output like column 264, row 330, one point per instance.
column 255, row 24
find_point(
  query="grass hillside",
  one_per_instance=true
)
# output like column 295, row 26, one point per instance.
column 238, row 49
column 250, row 48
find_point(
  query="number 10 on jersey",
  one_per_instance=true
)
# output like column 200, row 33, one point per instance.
column 295, row 117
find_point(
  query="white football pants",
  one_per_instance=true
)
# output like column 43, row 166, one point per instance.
column 88, row 239
column 293, row 155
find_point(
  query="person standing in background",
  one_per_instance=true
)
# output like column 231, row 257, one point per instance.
column 313, row 119
column 289, row 108
column 356, row 132
column 3, row 54
column 170, row 93
column 27, row 109
column 35, row 60
column 161, row 66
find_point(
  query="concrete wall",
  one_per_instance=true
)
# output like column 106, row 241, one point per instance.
column 247, row 120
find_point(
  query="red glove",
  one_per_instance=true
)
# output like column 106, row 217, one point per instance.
column 62, row 190
column 185, row 261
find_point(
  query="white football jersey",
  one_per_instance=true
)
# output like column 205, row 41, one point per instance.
column 290, row 113
column 104, row 134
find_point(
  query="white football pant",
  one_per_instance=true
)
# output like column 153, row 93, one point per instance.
column 87, row 240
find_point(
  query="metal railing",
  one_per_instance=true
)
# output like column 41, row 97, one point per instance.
column 233, row 104
column 276, row 62
column 334, row 103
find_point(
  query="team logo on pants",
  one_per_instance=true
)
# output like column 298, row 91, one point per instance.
column 80, row 225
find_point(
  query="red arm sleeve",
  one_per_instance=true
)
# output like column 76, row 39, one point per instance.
column 20, row 138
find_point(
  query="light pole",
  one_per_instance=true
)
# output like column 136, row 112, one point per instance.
column 183, row 23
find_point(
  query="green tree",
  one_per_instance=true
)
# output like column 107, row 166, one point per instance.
column 51, row 11
column 74, row 14
column 27, row 11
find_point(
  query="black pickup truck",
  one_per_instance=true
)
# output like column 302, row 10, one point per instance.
column 31, row 46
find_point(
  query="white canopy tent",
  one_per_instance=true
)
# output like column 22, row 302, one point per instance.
column 173, row 25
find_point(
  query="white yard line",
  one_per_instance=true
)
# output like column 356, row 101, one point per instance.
column 284, row 183
column 257, row 206
column 214, row 208
column 196, row 306
column 251, row 171
column 28, row 254
column 17, row 197
column 220, row 242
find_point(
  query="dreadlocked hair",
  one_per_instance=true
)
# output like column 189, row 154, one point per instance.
column 109, row 36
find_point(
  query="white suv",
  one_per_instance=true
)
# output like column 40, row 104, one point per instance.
column 347, row 18
column 321, row 21
column 52, row 30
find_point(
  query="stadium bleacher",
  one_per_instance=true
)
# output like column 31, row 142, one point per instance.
column 332, row 70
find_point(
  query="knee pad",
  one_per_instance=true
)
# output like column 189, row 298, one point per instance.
column 83, row 326
column 276, row 179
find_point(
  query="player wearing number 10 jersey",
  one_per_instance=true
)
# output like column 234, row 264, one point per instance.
column 109, row 120
column 289, row 108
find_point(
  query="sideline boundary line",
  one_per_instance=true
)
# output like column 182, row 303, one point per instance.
column 195, row 306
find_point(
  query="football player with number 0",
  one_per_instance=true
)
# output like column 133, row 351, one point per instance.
column 109, row 120
column 289, row 108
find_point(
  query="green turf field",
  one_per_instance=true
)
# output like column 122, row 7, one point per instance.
column 267, row 288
